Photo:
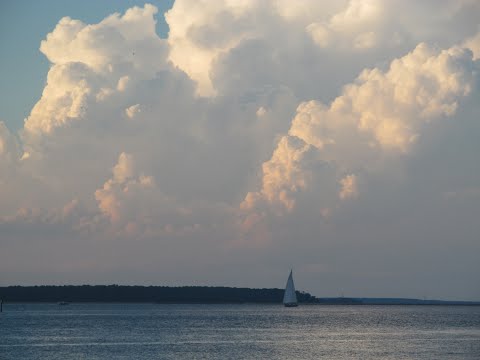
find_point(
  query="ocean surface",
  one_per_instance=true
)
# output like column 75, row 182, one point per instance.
column 158, row 331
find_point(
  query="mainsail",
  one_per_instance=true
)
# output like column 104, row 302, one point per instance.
column 290, row 298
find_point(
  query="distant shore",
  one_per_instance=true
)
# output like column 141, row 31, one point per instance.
column 188, row 295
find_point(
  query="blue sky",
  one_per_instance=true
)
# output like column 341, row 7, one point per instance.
column 23, row 25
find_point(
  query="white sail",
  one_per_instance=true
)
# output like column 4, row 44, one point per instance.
column 290, row 298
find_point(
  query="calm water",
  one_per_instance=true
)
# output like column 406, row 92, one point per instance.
column 150, row 331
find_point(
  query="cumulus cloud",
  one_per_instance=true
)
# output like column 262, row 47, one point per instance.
column 360, row 25
column 220, row 32
column 283, row 175
column 207, row 29
column 104, row 74
column 366, row 25
column 128, row 199
column 134, row 204
column 382, row 111
column 392, row 106
column 118, row 40
column 275, row 37
column 91, row 62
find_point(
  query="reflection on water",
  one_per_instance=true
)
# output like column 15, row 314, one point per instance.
column 147, row 331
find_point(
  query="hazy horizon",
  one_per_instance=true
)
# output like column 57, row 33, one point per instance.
column 223, row 143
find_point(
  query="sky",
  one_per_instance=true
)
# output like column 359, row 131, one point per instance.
column 227, row 142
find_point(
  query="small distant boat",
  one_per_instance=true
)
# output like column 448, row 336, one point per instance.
column 63, row 303
column 290, row 297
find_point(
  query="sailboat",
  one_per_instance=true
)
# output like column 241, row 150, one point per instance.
column 290, row 297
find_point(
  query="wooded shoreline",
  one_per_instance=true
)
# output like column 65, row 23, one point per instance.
column 187, row 295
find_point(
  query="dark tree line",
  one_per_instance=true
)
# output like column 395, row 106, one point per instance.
column 160, row 294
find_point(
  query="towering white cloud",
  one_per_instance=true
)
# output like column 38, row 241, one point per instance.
column 134, row 205
column 92, row 62
column 264, row 34
column 128, row 40
column 360, row 25
column 391, row 107
column 130, row 200
column 107, row 74
column 276, row 36
column 382, row 111
column 286, row 173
